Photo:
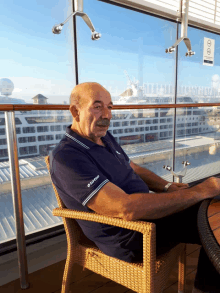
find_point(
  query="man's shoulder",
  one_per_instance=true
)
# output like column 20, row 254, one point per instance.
column 65, row 152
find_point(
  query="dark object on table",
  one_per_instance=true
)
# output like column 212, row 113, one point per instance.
column 210, row 245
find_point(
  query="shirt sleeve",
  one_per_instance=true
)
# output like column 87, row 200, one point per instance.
column 77, row 175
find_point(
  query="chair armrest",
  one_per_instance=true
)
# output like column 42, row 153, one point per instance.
column 146, row 228
column 139, row 226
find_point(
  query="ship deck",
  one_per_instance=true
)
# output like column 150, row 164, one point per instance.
column 49, row 279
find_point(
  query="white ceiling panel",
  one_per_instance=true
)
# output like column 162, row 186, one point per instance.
column 202, row 13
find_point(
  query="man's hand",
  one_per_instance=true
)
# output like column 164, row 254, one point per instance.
column 177, row 186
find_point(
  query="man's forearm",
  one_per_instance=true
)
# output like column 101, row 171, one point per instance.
column 145, row 206
column 154, row 182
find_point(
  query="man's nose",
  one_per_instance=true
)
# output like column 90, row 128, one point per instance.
column 106, row 113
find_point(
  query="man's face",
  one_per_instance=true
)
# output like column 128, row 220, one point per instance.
column 95, row 114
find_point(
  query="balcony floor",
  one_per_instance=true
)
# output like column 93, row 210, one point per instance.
column 49, row 279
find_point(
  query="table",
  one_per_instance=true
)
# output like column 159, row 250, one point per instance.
column 208, row 221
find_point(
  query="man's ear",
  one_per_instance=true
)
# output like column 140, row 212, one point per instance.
column 75, row 112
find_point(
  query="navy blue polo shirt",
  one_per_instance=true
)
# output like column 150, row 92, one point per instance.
column 79, row 169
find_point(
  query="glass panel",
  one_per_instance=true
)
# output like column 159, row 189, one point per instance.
column 197, row 127
column 3, row 141
column 198, row 83
column 34, row 141
column 37, row 65
column 7, row 224
column 40, row 131
column 145, row 137
column 129, row 60
column 200, row 136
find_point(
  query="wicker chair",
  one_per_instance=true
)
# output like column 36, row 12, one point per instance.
column 149, row 276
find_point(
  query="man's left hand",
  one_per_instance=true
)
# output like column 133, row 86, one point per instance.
column 177, row 186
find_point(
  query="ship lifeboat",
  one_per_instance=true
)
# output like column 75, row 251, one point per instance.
column 151, row 137
column 130, row 139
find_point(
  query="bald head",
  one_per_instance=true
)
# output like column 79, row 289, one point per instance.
column 91, row 106
column 81, row 93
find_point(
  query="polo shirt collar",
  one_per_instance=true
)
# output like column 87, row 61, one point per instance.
column 81, row 141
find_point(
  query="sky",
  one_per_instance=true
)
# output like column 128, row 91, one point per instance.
column 40, row 62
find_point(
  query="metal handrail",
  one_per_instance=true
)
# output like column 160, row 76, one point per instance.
column 17, row 198
column 31, row 107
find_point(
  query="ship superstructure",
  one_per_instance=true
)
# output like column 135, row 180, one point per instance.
column 39, row 131
column 156, row 124
column 138, row 126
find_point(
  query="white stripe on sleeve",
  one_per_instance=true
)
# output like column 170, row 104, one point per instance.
column 94, row 191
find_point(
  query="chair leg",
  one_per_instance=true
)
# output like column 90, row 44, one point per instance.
column 182, row 271
column 68, row 272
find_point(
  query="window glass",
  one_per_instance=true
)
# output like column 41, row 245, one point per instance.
column 132, row 65
column 33, row 143
column 55, row 128
column 59, row 136
column 3, row 141
column 26, row 139
column 151, row 147
column 198, row 83
column 200, row 144
column 42, row 128
column 2, row 131
column 3, row 153
column 28, row 129
column 129, row 59
column 36, row 67
column 33, row 136
column 198, row 127
column 42, row 62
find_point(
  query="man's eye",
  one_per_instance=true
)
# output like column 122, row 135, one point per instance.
column 97, row 107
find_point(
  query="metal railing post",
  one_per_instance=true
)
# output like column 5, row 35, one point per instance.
column 16, row 197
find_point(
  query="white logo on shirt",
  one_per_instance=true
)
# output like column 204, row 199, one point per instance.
column 90, row 183
column 118, row 152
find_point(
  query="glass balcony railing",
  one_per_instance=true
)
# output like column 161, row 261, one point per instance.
column 152, row 136
column 199, row 134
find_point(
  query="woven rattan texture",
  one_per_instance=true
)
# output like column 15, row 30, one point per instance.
column 150, row 276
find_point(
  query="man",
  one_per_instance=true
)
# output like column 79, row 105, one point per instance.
column 92, row 173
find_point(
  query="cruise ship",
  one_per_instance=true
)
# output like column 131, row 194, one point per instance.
column 39, row 131
column 139, row 126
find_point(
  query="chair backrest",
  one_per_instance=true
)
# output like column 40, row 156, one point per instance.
column 74, row 232
column 59, row 200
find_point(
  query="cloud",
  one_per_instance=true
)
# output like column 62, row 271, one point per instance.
column 17, row 90
column 40, row 86
column 215, row 81
column 32, row 86
column 215, row 78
